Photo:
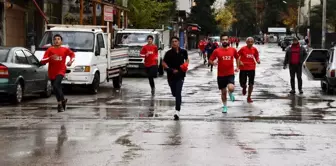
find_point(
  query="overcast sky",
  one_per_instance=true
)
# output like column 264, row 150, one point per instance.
column 219, row 3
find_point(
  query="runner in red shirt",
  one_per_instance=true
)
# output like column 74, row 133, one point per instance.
column 248, row 57
column 225, row 75
column 150, row 53
column 56, row 56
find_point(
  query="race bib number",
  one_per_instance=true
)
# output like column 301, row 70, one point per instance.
column 249, row 56
column 226, row 58
column 57, row 58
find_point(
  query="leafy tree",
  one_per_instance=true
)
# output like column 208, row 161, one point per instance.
column 290, row 18
column 202, row 14
column 244, row 14
column 150, row 13
column 225, row 17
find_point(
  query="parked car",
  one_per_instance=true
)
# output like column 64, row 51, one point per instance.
column 258, row 39
column 22, row 74
column 286, row 42
column 320, row 65
column 281, row 38
column 304, row 45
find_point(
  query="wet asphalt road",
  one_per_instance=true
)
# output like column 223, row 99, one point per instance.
column 129, row 127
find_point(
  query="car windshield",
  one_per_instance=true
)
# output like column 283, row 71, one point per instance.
column 78, row 41
column 131, row 39
column 3, row 55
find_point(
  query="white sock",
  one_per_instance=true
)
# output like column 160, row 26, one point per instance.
column 224, row 104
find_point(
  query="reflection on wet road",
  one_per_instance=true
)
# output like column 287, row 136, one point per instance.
column 130, row 127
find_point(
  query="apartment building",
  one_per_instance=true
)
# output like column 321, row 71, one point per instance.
column 22, row 21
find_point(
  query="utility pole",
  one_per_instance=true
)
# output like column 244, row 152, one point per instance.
column 81, row 12
column 324, row 23
column 308, row 30
column 299, row 13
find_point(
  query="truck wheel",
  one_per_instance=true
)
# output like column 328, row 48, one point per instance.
column 117, row 81
column 47, row 90
column 329, row 89
column 18, row 95
column 323, row 86
column 160, row 70
column 95, row 84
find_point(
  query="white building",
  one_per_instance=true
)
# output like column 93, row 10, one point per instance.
column 304, row 13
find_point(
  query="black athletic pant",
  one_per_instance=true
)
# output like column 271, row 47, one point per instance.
column 152, row 73
column 210, row 65
column 176, row 90
column 57, row 87
column 295, row 70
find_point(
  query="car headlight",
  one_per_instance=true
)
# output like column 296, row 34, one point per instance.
column 82, row 69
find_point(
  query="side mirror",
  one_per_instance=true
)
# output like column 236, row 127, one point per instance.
column 333, row 44
column 103, row 51
column 38, row 64
column 97, row 52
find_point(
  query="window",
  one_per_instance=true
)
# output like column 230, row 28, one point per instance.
column 318, row 56
column 100, row 41
column 20, row 58
column 31, row 58
column 3, row 55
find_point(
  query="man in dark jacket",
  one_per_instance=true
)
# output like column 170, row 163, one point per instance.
column 173, row 62
column 295, row 56
column 209, row 49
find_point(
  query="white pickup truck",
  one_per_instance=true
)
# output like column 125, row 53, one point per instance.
column 134, row 40
column 94, row 63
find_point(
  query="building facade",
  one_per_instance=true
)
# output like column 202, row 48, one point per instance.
column 304, row 11
column 23, row 22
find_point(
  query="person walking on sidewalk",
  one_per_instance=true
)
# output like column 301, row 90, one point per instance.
column 176, row 62
column 225, row 75
column 295, row 55
column 56, row 56
column 150, row 53
column 248, row 57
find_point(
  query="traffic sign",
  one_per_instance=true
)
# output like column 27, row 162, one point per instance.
column 108, row 13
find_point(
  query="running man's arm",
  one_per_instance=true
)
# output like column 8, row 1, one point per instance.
column 186, row 57
column 213, row 57
column 71, row 54
column 143, row 52
column 236, row 56
column 257, row 56
column 46, row 57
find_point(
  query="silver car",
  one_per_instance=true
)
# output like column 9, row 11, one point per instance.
column 320, row 65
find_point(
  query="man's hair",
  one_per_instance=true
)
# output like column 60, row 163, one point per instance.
column 223, row 35
column 150, row 36
column 58, row 35
column 250, row 38
column 175, row 37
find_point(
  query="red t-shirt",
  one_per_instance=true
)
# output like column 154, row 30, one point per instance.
column 150, row 53
column 225, row 58
column 295, row 58
column 57, row 65
column 246, row 56
column 201, row 45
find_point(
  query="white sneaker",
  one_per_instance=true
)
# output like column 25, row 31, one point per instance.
column 177, row 115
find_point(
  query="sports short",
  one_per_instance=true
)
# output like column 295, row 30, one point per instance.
column 223, row 81
column 244, row 74
column 152, row 71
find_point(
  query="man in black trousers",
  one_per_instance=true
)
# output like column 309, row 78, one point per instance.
column 295, row 56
